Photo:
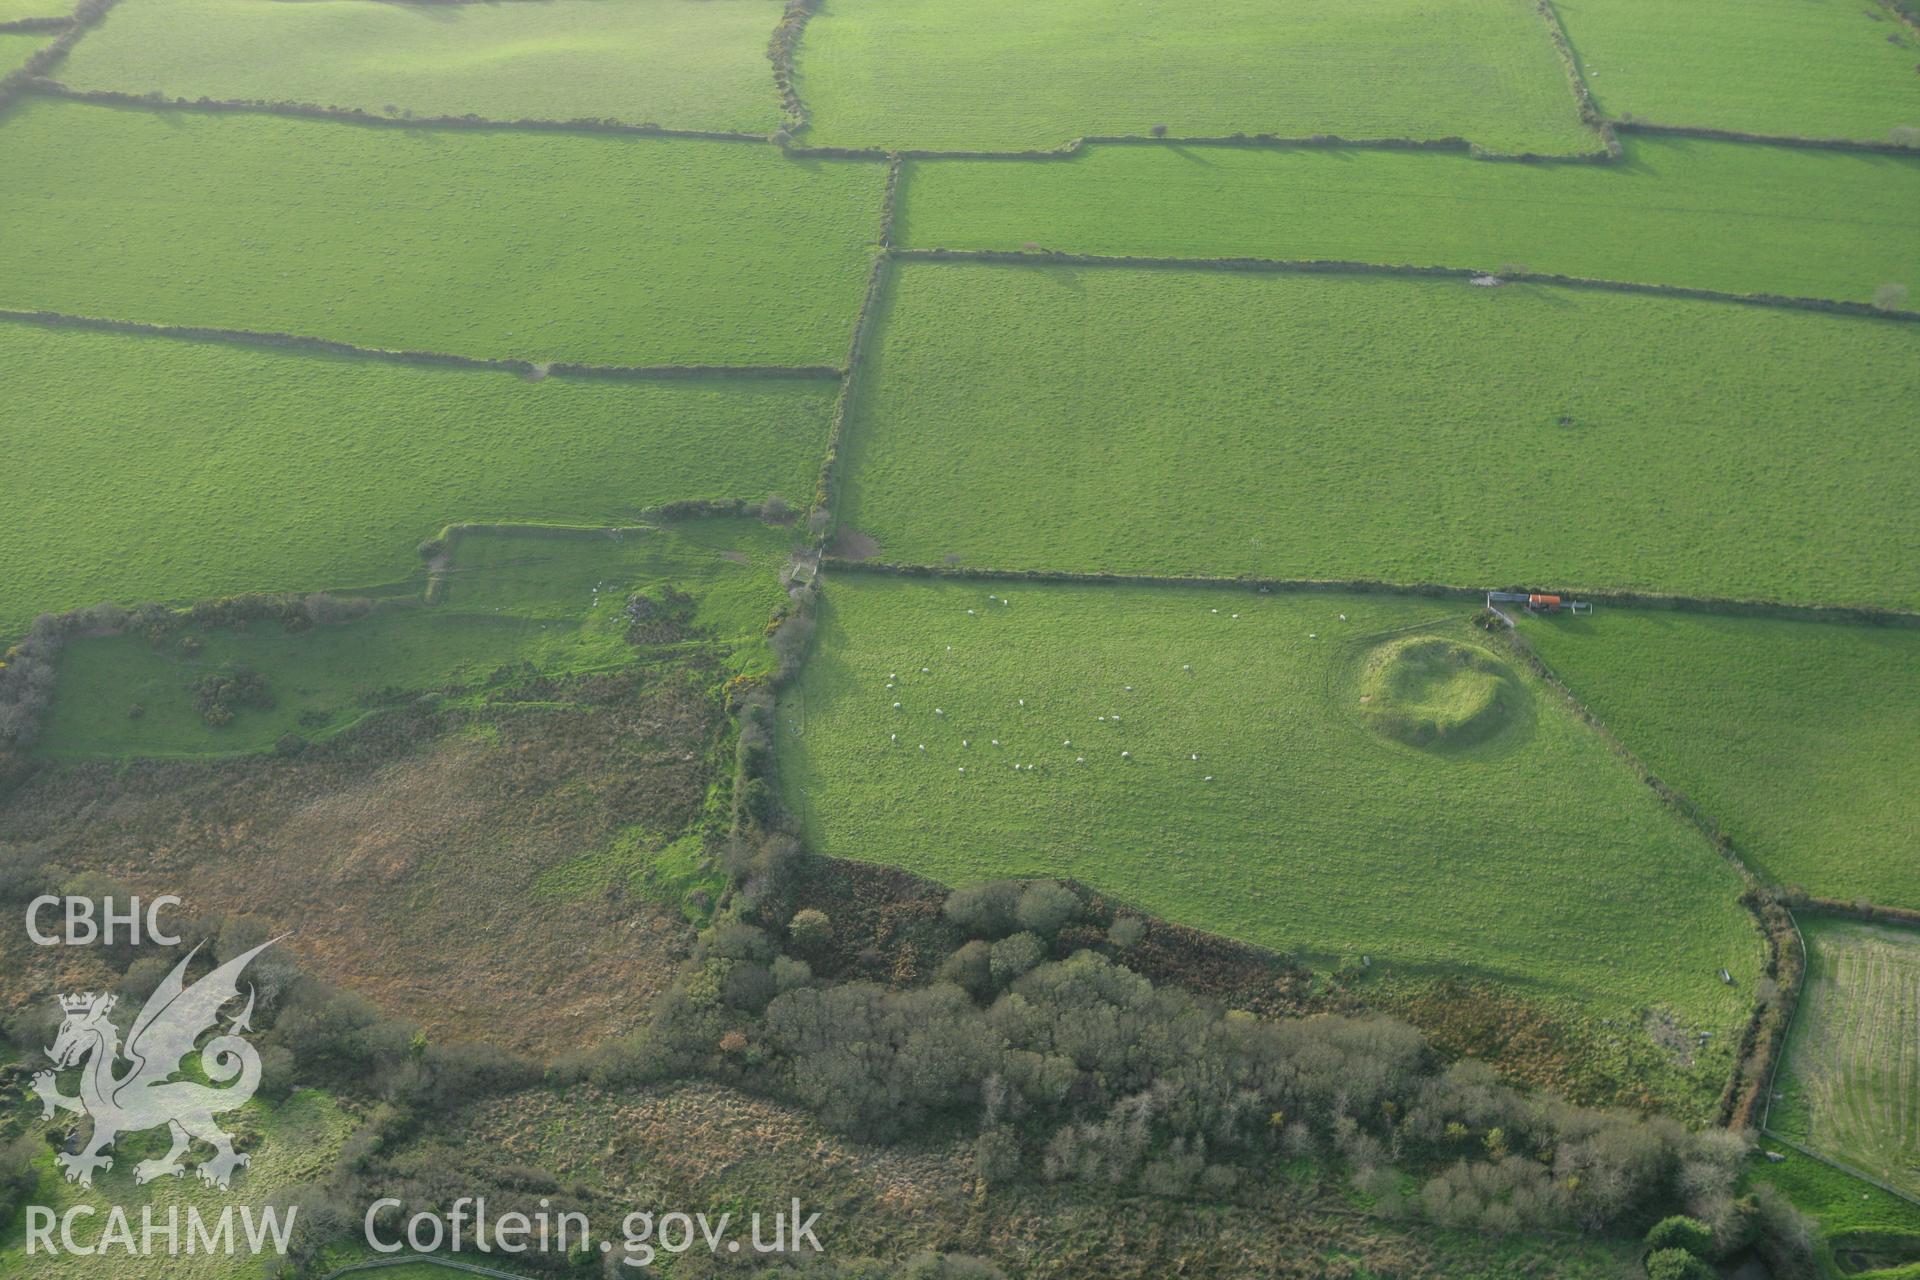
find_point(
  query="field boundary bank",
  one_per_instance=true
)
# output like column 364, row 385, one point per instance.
column 1764, row 1038
column 33, row 26
column 157, row 101
column 83, row 18
column 1843, row 1167
column 532, row 369
column 1248, row 141
column 1846, row 614
column 1864, row 912
column 825, row 495
column 1341, row 266
column 1582, row 94
column 1766, row 139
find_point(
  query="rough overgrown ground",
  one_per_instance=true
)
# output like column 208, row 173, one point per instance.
column 422, row 851
column 703, row 1145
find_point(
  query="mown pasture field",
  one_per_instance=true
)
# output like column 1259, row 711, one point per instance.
column 1783, row 68
column 298, row 1141
column 1797, row 738
column 1679, row 211
column 540, row 599
column 17, row 10
column 1183, row 422
column 679, row 64
column 609, row 250
column 262, row 469
column 920, row 74
column 1850, row 1082
column 1530, row 855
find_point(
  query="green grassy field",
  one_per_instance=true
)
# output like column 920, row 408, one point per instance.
column 1787, row 68
column 267, row 470
column 1323, row 426
column 536, row 245
column 17, row 46
column 1745, row 219
column 298, row 1141
column 1796, row 737
column 1851, row 1077
column 551, row 602
column 922, row 74
column 680, row 64
column 15, row 10
column 1530, row 855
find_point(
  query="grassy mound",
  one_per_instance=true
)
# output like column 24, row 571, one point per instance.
column 1428, row 691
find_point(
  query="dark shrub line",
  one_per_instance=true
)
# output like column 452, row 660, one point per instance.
column 1764, row 139
column 781, row 47
column 327, row 346
column 27, row 26
column 1050, row 257
column 358, row 115
column 1858, row 909
column 1845, row 614
column 1589, row 112
column 28, row 73
column 1252, row 141
column 824, row 495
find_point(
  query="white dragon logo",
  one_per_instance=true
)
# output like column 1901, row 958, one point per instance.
column 146, row 1096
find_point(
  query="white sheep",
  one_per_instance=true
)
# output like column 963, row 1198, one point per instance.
column 1066, row 742
column 896, row 706
column 937, row 711
column 1126, row 755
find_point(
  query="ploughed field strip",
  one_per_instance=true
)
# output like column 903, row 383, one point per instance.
column 1733, row 217
column 1343, row 775
column 1201, row 422
column 1825, row 69
column 1797, row 738
column 557, row 602
column 679, row 64
column 268, row 469
column 542, row 246
column 1850, row 1084
column 1002, row 76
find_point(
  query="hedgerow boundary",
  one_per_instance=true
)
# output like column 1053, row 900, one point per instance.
column 1337, row 266
column 825, row 495
column 326, row 346
column 1764, row 139
column 31, row 26
column 1582, row 96
column 157, row 101
column 84, row 16
column 1857, row 615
